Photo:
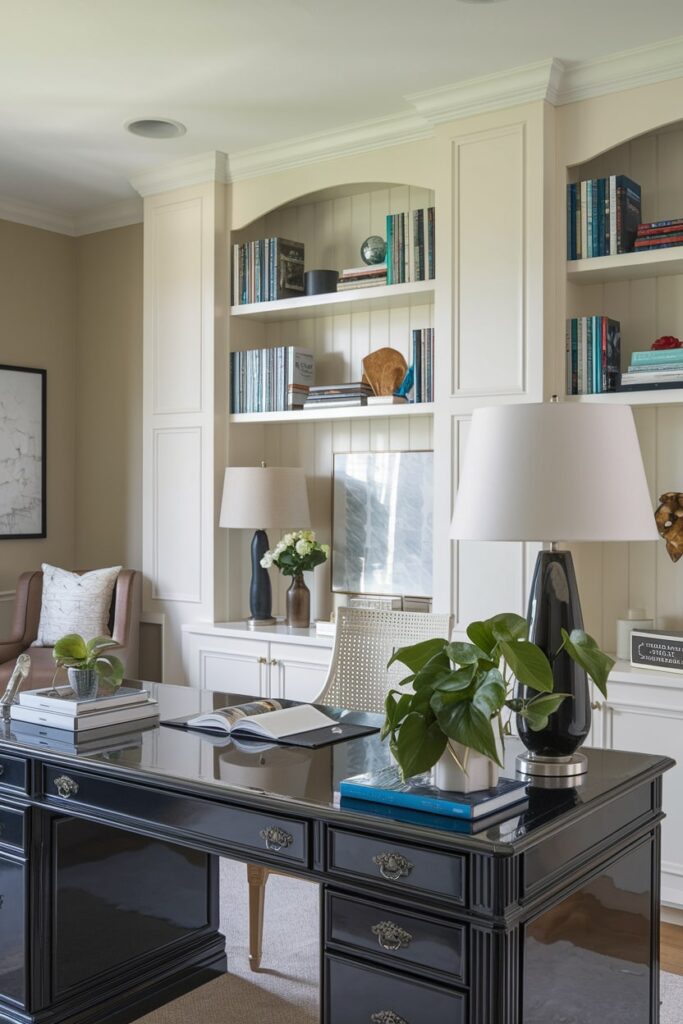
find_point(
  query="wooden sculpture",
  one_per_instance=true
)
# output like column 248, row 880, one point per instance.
column 669, row 519
column 384, row 370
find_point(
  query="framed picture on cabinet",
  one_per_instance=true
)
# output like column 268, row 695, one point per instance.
column 23, row 401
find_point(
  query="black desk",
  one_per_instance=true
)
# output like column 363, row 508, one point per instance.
column 109, row 900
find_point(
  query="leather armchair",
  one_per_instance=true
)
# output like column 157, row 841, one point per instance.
column 124, row 625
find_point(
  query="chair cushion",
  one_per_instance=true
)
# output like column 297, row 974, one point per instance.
column 75, row 603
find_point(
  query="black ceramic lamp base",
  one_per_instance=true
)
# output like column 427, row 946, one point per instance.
column 260, row 593
column 553, row 606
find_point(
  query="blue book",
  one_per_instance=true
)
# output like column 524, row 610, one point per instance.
column 656, row 357
column 419, row 794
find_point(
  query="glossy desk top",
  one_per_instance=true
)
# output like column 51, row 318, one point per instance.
column 299, row 779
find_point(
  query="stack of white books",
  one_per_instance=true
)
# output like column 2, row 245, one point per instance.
column 60, row 708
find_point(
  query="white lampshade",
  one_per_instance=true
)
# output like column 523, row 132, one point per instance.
column 553, row 472
column 257, row 497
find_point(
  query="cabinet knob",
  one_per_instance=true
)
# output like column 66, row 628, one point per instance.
column 273, row 661
column 391, row 936
column 66, row 787
column 387, row 1017
column 262, row 661
column 276, row 838
column 393, row 866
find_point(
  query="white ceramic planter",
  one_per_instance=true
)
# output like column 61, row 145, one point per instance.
column 480, row 771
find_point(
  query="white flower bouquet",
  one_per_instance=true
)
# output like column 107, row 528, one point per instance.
column 296, row 553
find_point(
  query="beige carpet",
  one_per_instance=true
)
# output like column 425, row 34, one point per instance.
column 285, row 991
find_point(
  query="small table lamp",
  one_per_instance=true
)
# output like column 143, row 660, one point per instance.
column 255, row 497
column 554, row 472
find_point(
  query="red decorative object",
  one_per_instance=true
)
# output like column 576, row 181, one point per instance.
column 666, row 341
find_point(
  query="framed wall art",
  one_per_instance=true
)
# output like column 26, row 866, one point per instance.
column 382, row 523
column 23, row 510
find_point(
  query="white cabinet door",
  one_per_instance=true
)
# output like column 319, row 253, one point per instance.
column 228, row 664
column 650, row 720
column 298, row 672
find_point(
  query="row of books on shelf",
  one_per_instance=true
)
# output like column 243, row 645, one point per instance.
column 603, row 215
column 362, row 277
column 653, row 370
column 270, row 379
column 60, row 709
column 659, row 234
column 423, row 365
column 324, row 396
column 410, row 246
column 593, row 355
column 266, row 270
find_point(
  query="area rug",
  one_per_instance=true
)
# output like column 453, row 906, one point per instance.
column 285, row 990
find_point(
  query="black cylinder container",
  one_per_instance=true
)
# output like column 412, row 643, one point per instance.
column 320, row 282
column 554, row 605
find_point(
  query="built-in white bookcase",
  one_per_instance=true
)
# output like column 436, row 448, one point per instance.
column 340, row 330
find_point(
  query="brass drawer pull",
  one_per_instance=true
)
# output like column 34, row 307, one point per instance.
column 66, row 787
column 276, row 838
column 387, row 1017
column 393, row 866
column 391, row 936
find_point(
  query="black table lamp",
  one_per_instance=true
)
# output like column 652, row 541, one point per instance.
column 256, row 497
column 547, row 473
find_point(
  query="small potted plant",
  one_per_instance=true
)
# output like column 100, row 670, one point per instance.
column 462, row 698
column 295, row 554
column 86, row 665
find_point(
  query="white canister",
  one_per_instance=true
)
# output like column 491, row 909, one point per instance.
column 635, row 619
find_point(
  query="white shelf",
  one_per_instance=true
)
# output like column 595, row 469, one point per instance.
column 280, row 632
column 669, row 396
column 357, row 300
column 360, row 412
column 627, row 266
column 624, row 672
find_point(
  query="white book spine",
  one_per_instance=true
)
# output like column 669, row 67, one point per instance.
column 613, row 215
column 584, row 219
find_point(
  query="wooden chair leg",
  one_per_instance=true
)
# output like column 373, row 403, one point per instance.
column 256, row 878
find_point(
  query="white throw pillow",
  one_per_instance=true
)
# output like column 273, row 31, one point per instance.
column 74, row 603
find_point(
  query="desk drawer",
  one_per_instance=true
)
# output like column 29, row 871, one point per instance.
column 13, row 774
column 421, row 943
column 359, row 994
column 279, row 838
column 397, row 866
column 12, row 829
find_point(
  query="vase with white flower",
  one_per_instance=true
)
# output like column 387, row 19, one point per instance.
column 295, row 554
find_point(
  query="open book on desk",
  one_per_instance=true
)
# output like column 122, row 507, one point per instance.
column 300, row 725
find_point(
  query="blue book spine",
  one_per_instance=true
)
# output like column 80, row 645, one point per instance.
column 571, row 222
column 657, row 357
column 412, row 800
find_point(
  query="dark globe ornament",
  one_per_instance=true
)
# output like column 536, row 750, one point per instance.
column 373, row 250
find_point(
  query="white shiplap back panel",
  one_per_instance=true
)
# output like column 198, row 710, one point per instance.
column 614, row 577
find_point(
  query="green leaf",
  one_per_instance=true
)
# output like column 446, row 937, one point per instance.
column 509, row 627
column 489, row 695
column 538, row 709
column 451, row 682
column 419, row 746
column 432, row 673
column 583, row 649
column 466, row 724
column 481, row 634
column 528, row 664
column 416, row 656
column 110, row 669
column 98, row 644
column 71, row 647
column 465, row 654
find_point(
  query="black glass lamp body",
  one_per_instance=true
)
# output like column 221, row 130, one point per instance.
column 260, row 592
column 553, row 606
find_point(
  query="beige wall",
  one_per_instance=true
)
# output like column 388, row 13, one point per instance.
column 109, row 408
column 37, row 317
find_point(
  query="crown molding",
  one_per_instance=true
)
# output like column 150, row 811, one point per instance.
column 194, row 170
column 33, row 216
column 104, row 218
column 645, row 65
column 339, row 142
column 539, row 81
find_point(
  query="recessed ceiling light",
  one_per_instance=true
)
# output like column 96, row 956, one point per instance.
column 156, row 128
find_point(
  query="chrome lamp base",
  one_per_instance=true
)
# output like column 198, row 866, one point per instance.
column 255, row 623
column 551, row 767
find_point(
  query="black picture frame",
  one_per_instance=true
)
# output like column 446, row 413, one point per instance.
column 5, row 368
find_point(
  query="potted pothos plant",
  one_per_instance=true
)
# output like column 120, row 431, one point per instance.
column 462, row 698
column 86, row 663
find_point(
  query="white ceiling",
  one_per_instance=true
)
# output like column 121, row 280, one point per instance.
column 246, row 73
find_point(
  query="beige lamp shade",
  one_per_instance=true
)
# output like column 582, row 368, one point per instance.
column 258, row 497
column 553, row 472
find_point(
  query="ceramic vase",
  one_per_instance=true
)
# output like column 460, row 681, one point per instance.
column 84, row 682
column 298, row 604
column 480, row 771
